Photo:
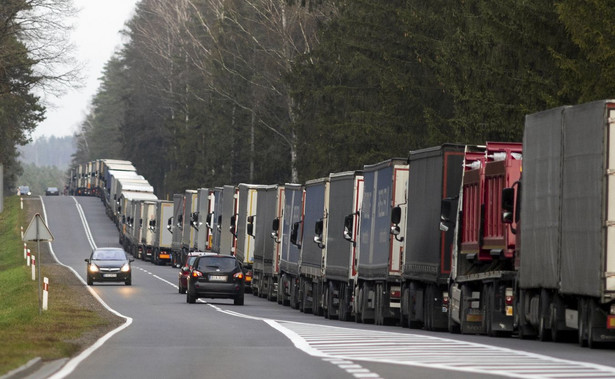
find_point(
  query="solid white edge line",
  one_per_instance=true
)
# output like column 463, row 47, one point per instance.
column 70, row 366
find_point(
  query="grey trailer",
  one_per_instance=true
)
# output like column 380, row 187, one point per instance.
column 228, row 239
column 345, row 199
column 190, row 218
column 204, row 209
column 435, row 174
column 216, row 219
column 146, row 235
column 567, row 228
column 163, row 238
column 177, row 227
column 314, row 248
column 381, row 241
column 264, row 273
column 292, row 234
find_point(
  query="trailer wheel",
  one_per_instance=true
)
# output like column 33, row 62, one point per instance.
column 270, row 292
column 378, row 305
column 489, row 294
column 281, row 292
column 591, row 314
column 582, row 314
column 344, row 301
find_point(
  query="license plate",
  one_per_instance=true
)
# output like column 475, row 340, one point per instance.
column 109, row 275
column 164, row 256
column 217, row 278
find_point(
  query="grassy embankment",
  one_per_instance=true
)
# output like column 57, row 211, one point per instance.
column 24, row 334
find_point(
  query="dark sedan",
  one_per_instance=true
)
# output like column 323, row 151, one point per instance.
column 109, row 264
column 185, row 270
column 216, row 276
column 52, row 191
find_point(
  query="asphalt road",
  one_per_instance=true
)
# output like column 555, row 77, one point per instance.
column 165, row 337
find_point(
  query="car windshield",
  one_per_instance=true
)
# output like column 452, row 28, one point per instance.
column 213, row 264
column 191, row 261
column 109, row 255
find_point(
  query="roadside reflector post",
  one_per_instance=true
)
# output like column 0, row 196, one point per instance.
column 28, row 258
column 45, row 293
column 25, row 250
column 33, row 267
column 38, row 231
column 22, row 232
column 21, row 202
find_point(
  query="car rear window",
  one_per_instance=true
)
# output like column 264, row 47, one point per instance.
column 109, row 255
column 213, row 264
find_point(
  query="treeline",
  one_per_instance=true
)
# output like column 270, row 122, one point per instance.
column 49, row 151
column 208, row 92
column 35, row 62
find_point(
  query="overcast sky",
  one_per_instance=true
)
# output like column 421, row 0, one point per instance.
column 96, row 36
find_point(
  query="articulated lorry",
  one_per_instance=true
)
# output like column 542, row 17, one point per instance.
column 484, row 272
column 340, row 271
column 381, row 242
column 435, row 174
column 565, row 221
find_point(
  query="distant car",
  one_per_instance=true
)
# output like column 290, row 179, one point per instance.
column 216, row 276
column 185, row 270
column 52, row 191
column 24, row 191
column 109, row 264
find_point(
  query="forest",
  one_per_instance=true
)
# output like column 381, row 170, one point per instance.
column 213, row 92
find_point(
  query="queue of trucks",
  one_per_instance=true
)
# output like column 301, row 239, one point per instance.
column 492, row 239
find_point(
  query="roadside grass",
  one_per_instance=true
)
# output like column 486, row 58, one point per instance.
column 24, row 333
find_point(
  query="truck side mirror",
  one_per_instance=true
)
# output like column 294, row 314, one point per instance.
column 219, row 223
column 395, row 220
column 194, row 220
column 275, row 226
column 232, row 227
column 510, row 205
column 294, row 233
column 250, row 226
column 348, row 221
column 170, row 225
column 318, row 228
column 208, row 220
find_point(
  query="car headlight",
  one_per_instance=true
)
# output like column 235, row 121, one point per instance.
column 93, row 268
column 125, row 267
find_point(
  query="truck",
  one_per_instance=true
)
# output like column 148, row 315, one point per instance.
column 250, row 231
column 564, row 221
column 202, row 220
column 378, row 291
column 176, row 226
column 290, row 227
column 146, row 211
column 435, row 174
column 162, row 236
column 314, row 250
column 266, row 250
column 484, row 273
column 190, row 217
column 340, row 271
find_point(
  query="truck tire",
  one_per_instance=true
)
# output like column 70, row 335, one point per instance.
column 582, row 331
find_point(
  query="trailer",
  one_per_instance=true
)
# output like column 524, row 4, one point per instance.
column 435, row 174
column 314, row 249
column 483, row 271
column 340, row 271
column 290, row 226
column 162, row 236
column 566, row 224
column 266, row 245
column 228, row 220
column 176, row 225
column 190, row 217
column 378, row 292
column 202, row 219
column 146, row 210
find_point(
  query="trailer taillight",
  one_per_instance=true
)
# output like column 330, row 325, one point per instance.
column 445, row 298
column 610, row 322
column 395, row 293
column 509, row 296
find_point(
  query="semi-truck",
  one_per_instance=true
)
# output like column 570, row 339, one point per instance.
column 163, row 237
column 564, row 218
column 314, row 248
column 381, row 241
column 435, row 174
column 340, row 271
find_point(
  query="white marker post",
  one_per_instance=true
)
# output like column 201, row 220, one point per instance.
column 33, row 267
column 38, row 231
column 45, row 293
column 22, row 232
column 28, row 258
column 25, row 250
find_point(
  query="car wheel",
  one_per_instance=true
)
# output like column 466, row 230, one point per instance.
column 190, row 298
column 239, row 300
column 128, row 281
column 182, row 289
column 90, row 281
